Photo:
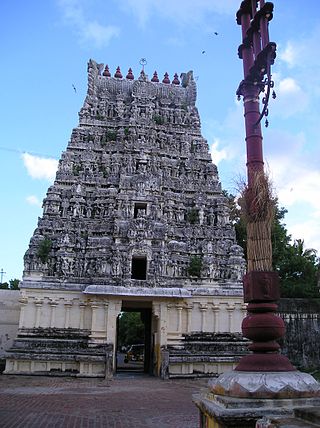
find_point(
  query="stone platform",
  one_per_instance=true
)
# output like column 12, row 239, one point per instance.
column 239, row 399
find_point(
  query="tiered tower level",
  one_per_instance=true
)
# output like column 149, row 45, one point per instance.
column 136, row 212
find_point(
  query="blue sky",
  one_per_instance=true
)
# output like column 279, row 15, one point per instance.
column 45, row 49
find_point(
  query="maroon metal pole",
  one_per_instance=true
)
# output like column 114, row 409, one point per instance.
column 264, row 27
column 261, row 288
column 250, row 93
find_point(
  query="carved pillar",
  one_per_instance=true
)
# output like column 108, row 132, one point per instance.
column 53, row 304
column 98, row 335
column 189, row 318
column 179, row 323
column 243, row 310
column 164, row 311
column 113, row 309
column 94, row 307
column 161, row 311
column 106, row 309
column 67, row 306
column 216, row 309
column 161, row 327
column 168, row 309
column 23, row 301
column 109, row 313
column 230, row 309
column 203, row 310
column 82, row 307
column 38, row 304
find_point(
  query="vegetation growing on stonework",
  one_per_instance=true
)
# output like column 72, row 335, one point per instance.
column 108, row 136
column 104, row 171
column 195, row 266
column 103, row 141
column 193, row 216
column 297, row 266
column 159, row 120
column 76, row 169
column 44, row 249
column 111, row 135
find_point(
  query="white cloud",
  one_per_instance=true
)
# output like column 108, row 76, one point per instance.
column 296, row 177
column 291, row 99
column 288, row 85
column 186, row 13
column 294, row 168
column 307, row 230
column 33, row 200
column 40, row 168
column 301, row 52
column 289, row 54
column 216, row 154
column 99, row 34
column 89, row 31
column 228, row 147
column 303, row 189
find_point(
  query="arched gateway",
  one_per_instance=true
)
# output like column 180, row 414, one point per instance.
column 135, row 219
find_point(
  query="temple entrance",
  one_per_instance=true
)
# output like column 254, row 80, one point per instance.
column 134, row 348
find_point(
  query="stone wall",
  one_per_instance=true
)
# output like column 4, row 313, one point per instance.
column 301, row 316
column 9, row 319
column 301, row 342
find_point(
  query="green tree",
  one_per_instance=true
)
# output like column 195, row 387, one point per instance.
column 4, row 286
column 299, row 271
column 131, row 329
column 237, row 221
column 298, row 268
column 12, row 285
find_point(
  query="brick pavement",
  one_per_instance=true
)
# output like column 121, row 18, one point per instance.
column 127, row 401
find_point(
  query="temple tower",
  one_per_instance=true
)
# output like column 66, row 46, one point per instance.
column 136, row 218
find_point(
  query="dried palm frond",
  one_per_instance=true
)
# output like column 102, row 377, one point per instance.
column 257, row 207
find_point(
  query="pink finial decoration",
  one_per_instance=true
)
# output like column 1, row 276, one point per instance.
column 155, row 77
column 130, row 75
column 118, row 74
column 106, row 72
column 176, row 80
column 166, row 78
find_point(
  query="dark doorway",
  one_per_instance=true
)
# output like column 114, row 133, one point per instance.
column 134, row 340
column 140, row 210
column 139, row 267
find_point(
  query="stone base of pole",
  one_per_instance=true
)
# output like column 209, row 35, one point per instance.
column 264, row 384
column 239, row 399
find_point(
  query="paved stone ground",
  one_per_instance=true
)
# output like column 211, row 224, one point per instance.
column 127, row 401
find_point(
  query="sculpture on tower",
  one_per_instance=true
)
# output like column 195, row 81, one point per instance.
column 135, row 220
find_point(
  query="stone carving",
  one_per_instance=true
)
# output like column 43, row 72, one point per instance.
column 134, row 169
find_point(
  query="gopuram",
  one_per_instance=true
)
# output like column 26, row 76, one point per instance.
column 135, row 221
